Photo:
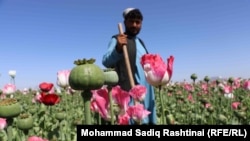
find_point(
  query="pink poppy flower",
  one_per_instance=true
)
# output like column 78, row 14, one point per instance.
column 137, row 112
column 3, row 123
column 246, row 85
column 100, row 102
column 35, row 138
column 138, row 92
column 157, row 72
column 123, row 119
column 120, row 97
column 63, row 78
column 235, row 105
column 9, row 89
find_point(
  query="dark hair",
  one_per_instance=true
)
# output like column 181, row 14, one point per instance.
column 134, row 14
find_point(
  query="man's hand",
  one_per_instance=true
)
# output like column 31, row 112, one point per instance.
column 121, row 40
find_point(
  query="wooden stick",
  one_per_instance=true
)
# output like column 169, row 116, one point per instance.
column 125, row 52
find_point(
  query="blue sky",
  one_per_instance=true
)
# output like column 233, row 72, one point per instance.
column 40, row 37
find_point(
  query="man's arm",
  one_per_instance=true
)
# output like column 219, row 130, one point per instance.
column 111, row 57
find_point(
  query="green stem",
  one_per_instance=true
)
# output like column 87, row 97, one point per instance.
column 111, row 106
column 86, row 95
column 163, row 118
column 61, row 134
column 9, row 129
column 3, row 136
column 211, row 119
column 21, row 137
column 99, row 118
column 66, row 107
column 230, row 111
column 45, row 120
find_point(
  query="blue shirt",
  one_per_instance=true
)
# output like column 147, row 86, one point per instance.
column 111, row 57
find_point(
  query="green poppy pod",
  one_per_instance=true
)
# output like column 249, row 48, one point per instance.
column 110, row 77
column 86, row 75
column 9, row 108
column 25, row 121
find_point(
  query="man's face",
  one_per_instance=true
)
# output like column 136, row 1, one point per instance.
column 133, row 26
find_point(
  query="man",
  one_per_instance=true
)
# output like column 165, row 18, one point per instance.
column 114, row 58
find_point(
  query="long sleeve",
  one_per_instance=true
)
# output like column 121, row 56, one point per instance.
column 111, row 57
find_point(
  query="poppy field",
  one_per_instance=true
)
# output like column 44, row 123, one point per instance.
column 52, row 113
column 219, row 102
